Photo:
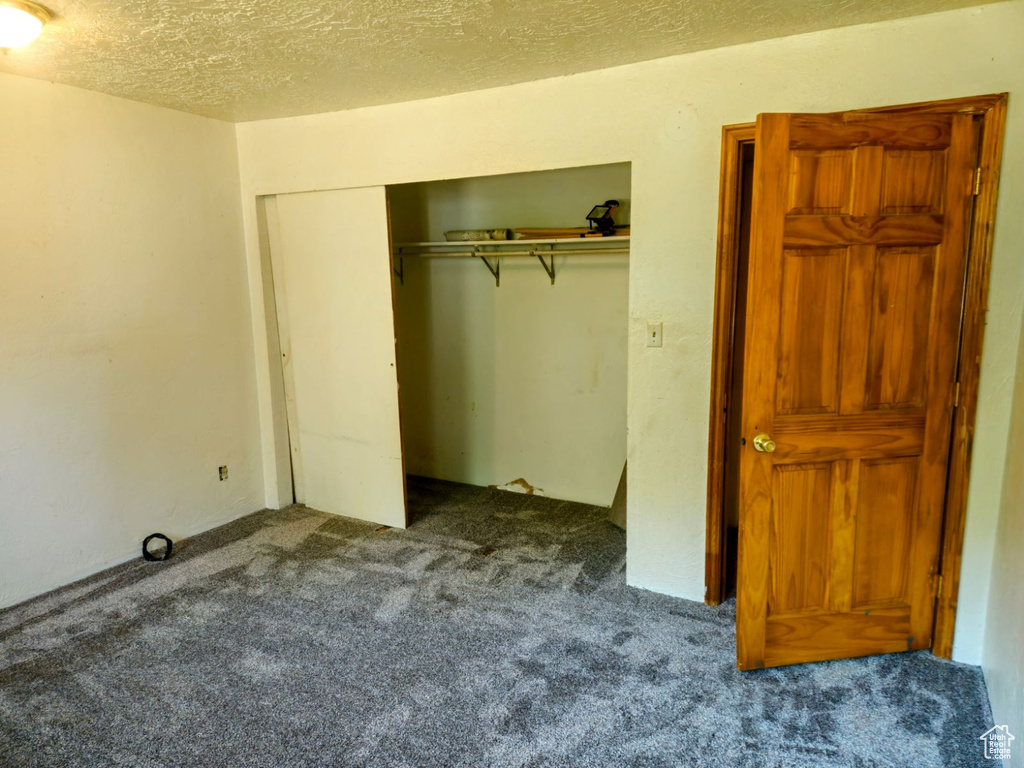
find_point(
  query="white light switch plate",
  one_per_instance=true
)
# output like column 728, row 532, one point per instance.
column 654, row 334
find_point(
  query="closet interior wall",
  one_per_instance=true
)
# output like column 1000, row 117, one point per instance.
column 522, row 381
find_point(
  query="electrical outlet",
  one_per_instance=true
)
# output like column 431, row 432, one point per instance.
column 223, row 472
column 654, row 334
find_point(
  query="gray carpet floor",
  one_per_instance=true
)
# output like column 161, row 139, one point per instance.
column 496, row 631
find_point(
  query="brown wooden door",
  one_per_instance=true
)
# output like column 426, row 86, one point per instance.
column 856, row 280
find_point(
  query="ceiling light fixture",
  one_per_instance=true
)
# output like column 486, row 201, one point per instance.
column 21, row 21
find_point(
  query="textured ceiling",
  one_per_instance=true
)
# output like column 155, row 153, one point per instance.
column 253, row 59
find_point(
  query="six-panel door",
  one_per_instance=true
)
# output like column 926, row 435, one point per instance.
column 856, row 279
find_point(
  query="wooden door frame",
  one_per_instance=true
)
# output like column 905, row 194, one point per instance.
column 734, row 138
column 992, row 111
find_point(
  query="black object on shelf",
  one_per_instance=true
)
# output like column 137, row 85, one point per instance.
column 600, row 217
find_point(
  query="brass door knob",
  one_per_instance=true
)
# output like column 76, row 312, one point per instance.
column 764, row 443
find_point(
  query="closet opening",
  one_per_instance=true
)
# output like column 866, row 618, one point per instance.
column 511, row 347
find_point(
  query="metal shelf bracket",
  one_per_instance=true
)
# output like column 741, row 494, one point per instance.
column 549, row 269
column 495, row 269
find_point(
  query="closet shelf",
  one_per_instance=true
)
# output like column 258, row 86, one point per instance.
column 548, row 241
column 482, row 249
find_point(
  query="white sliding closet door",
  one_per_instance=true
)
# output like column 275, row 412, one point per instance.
column 334, row 270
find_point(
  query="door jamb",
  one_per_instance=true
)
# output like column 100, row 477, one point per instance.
column 992, row 110
column 734, row 137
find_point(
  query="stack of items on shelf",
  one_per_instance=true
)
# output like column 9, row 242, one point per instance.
column 599, row 218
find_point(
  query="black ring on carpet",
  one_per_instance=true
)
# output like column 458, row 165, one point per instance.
column 147, row 555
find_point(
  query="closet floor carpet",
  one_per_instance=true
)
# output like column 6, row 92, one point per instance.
column 496, row 631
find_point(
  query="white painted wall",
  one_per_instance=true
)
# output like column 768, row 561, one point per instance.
column 334, row 268
column 1004, row 629
column 665, row 117
column 125, row 344
column 527, row 380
